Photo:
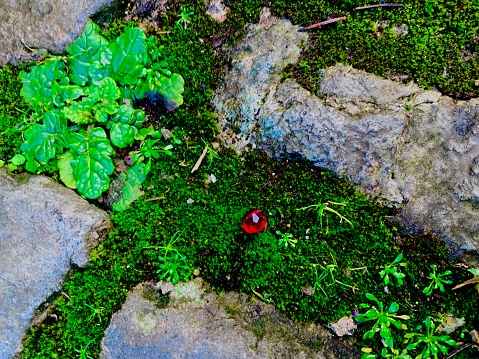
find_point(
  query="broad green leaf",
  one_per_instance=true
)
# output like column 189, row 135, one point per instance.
column 393, row 308
column 171, row 88
column 66, row 170
column 129, row 53
column 92, row 164
column 18, row 160
column 134, row 177
column 144, row 132
column 86, row 54
column 123, row 115
column 2, row 163
column 80, row 112
column 104, row 90
column 122, row 134
column 38, row 83
column 43, row 141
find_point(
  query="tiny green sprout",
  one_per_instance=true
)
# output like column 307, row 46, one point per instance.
column 437, row 281
column 392, row 269
column 286, row 239
column 83, row 351
column 174, row 269
column 433, row 344
column 169, row 247
column 14, row 162
column 323, row 272
column 326, row 207
column 383, row 318
column 95, row 312
column 184, row 17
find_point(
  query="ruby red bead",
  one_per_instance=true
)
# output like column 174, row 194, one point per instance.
column 254, row 221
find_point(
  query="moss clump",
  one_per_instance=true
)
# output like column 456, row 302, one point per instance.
column 212, row 240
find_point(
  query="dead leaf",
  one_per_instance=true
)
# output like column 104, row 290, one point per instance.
column 344, row 326
column 470, row 281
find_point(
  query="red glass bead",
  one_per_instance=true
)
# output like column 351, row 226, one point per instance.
column 254, row 221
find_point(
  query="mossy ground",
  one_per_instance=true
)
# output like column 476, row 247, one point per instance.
column 211, row 236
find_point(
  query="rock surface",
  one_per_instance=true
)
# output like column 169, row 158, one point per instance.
column 193, row 322
column 46, row 25
column 416, row 149
column 45, row 228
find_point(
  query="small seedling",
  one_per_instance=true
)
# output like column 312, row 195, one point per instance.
column 286, row 239
column 83, row 351
column 321, row 207
column 434, row 344
column 174, row 269
column 14, row 162
column 437, row 281
column 169, row 247
column 95, row 312
column 383, row 318
column 184, row 17
column 321, row 273
column 392, row 269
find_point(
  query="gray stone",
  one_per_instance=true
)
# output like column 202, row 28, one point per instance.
column 45, row 25
column 45, row 228
column 194, row 322
column 415, row 149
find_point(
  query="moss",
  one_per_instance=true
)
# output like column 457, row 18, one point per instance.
column 211, row 239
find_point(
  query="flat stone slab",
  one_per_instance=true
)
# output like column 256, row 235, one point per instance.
column 193, row 322
column 45, row 228
column 415, row 149
column 46, row 25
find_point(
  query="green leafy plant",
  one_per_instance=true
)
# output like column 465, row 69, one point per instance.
column 383, row 320
column 433, row 344
column 393, row 354
column 392, row 269
column 82, row 352
column 437, row 281
column 286, row 239
column 83, row 109
column 95, row 312
column 184, row 17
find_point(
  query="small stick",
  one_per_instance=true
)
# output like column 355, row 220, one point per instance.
column 155, row 199
column 392, row 4
column 460, row 349
column 198, row 163
column 336, row 19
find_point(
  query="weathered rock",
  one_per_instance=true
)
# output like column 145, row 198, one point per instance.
column 257, row 65
column 46, row 25
column 45, row 228
column 414, row 148
column 217, row 10
column 193, row 322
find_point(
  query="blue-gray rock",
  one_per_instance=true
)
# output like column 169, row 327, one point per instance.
column 45, row 228
column 44, row 25
column 196, row 323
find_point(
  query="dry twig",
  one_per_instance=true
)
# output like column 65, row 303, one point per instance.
column 391, row 4
column 330, row 21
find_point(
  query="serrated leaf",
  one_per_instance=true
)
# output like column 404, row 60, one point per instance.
column 38, row 83
column 92, row 164
column 66, row 170
column 80, row 112
column 134, row 177
column 170, row 89
column 88, row 55
column 129, row 53
column 43, row 141
column 122, row 134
